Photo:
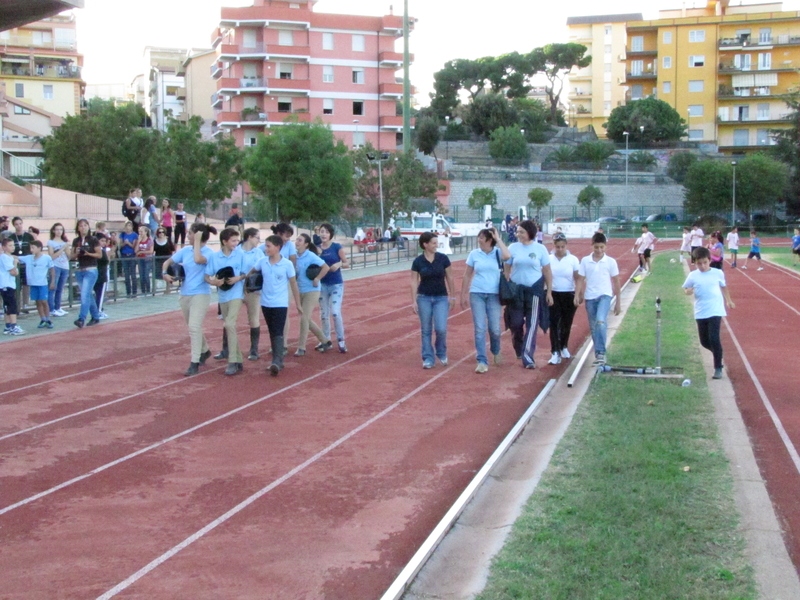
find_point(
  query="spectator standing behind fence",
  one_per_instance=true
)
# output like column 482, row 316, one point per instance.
column 332, row 288
column 180, row 225
column 163, row 248
column 128, row 243
column 251, row 254
column 432, row 296
column 564, row 267
column 8, row 287
column 144, row 254
column 133, row 207
column 195, row 291
column 307, row 255
column 529, row 268
column 235, row 219
column 39, row 269
column 230, row 294
column 58, row 247
column 86, row 250
column 480, row 291
column 710, row 297
column 102, row 272
column 167, row 217
column 598, row 283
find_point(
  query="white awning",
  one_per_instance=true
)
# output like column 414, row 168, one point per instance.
column 766, row 79
column 742, row 80
column 755, row 79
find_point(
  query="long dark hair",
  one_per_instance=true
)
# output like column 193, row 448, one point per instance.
column 281, row 228
column 248, row 233
column 204, row 229
column 311, row 245
column 64, row 237
column 77, row 224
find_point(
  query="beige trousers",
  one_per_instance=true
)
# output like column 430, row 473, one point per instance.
column 253, row 302
column 309, row 301
column 194, row 309
column 230, row 313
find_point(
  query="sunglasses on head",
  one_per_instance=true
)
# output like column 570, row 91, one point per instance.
column 559, row 237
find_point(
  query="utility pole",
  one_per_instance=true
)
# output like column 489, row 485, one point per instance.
column 406, row 83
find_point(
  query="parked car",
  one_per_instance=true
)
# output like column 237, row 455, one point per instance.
column 571, row 220
column 611, row 220
column 638, row 219
column 662, row 217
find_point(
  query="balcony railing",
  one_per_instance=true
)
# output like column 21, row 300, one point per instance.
column 216, row 70
column 787, row 65
column 641, row 52
column 20, row 41
column 46, row 71
column 779, row 40
column 644, row 74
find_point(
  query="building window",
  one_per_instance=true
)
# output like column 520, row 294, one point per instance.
column 285, row 37
column 327, row 41
column 637, row 43
column 695, row 110
column 606, row 108
column 667, row 86
column 607, row 49
column 285, row 70
column 697, row 61
column 327, row 74
column 284, row 105
column 667, row 37
column 763, row 138
column 358, row 108
column 358, row 75
column 608, row 68
column 763, row 112
column 696, row 85
column 667, row 62
column 637, row 67
column 695, row 134
column 172, row 90
column 765, row 35
column 327, row 106
column 608, row 30
column 18, row 110
column 19, row 90
column 250, row 141
column 607, row 88
column 358, row 43
column 765, row 61
column 48, row 92
column 743, row 61
column 741, row 137
column 358, row 139
column 249, row 38
column 637, row 92
column 697, row 35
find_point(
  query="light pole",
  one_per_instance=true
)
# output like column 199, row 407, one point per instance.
column 733, row 210
column 379, row 159
column 446, row 138
column 627, row 135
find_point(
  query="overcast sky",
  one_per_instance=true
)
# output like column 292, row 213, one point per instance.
column 112, row 34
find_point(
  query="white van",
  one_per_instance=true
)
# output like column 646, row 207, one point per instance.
column 411, row 226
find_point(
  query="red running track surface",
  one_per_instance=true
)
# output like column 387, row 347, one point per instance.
column 120, row 477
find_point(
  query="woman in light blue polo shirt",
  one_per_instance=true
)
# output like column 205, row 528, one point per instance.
column 529, row 267
column 279, row 278
column 230, row 296
column 307, row 255
column 195, row 291
column 251, row 254
column 480, row 290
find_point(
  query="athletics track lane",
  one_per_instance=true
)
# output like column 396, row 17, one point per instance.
column 340, row 528
column 765, row 323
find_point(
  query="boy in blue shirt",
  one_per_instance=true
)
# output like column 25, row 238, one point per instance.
column 8, row 287
column 39, row 269
column 796, row 246
column 755, row 250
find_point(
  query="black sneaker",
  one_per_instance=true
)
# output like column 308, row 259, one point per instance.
column 221, row 356
column 93, row 321
column 79, row 323
column 194, row 369
column 205, row 356
column 717, row 374
column 274, row 370
column 324, row 346
column 232, row 369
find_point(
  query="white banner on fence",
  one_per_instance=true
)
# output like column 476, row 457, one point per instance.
column 573, row 230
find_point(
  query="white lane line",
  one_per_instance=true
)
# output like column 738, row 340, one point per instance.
column 776, row 421
column 288, row 475
column 792, row 308
column 181, row 434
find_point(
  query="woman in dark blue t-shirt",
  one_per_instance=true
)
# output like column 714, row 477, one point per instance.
column 432, row 297
column 331, row 288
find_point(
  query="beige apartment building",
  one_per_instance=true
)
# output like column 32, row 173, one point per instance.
column 594, row 92
column 199, row 87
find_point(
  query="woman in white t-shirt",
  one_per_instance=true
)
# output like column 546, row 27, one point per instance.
column 564, row 267
column 57, row 247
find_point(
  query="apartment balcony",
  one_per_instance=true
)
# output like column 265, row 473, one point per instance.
column 228, row 117
column 217, row 99
column 297, row 52
column 261, row 16
column 43, row 71
column 787, row 65
column 280, row 117
column 237, row 52
column 216, row 70
column 580, row 94
column 238, row 85
column 735, row 120
column 299, row 86
column 391, row 90
column 749, row 44
column 581, row 76
column 394, row 24
column 216, row 37
column 641, row 53
column 392, row 123
column 393, row 59
column 181, row 93
column 23, row 41
column 640, row 75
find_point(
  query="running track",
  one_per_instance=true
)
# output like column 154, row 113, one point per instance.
column 760, row 340
column 121, row 478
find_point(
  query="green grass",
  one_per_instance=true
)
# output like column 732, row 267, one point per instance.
column 616, row 515
column 781, row 256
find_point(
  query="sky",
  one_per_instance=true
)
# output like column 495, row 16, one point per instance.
column 112, row 34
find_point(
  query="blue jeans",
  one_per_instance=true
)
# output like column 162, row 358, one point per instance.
column 330, row 305
column 597, row 309
column 54, row 297
column 145, row 273
column 129, row 269
column 486, row 307
column 433, row 311
column 86, row 280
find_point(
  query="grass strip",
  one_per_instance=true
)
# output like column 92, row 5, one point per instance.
column 638, row 500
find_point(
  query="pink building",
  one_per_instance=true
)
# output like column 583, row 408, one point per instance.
column 279, row 59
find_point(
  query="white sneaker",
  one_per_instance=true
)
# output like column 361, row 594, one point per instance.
column 481, row 368
column 743, row 267
column 565, row 353
column 760, row 269
column 102, row 316
column 555, row 359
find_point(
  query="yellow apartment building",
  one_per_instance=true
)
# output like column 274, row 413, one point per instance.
column 723, row 68
column 40, row 64
column 594, row 92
